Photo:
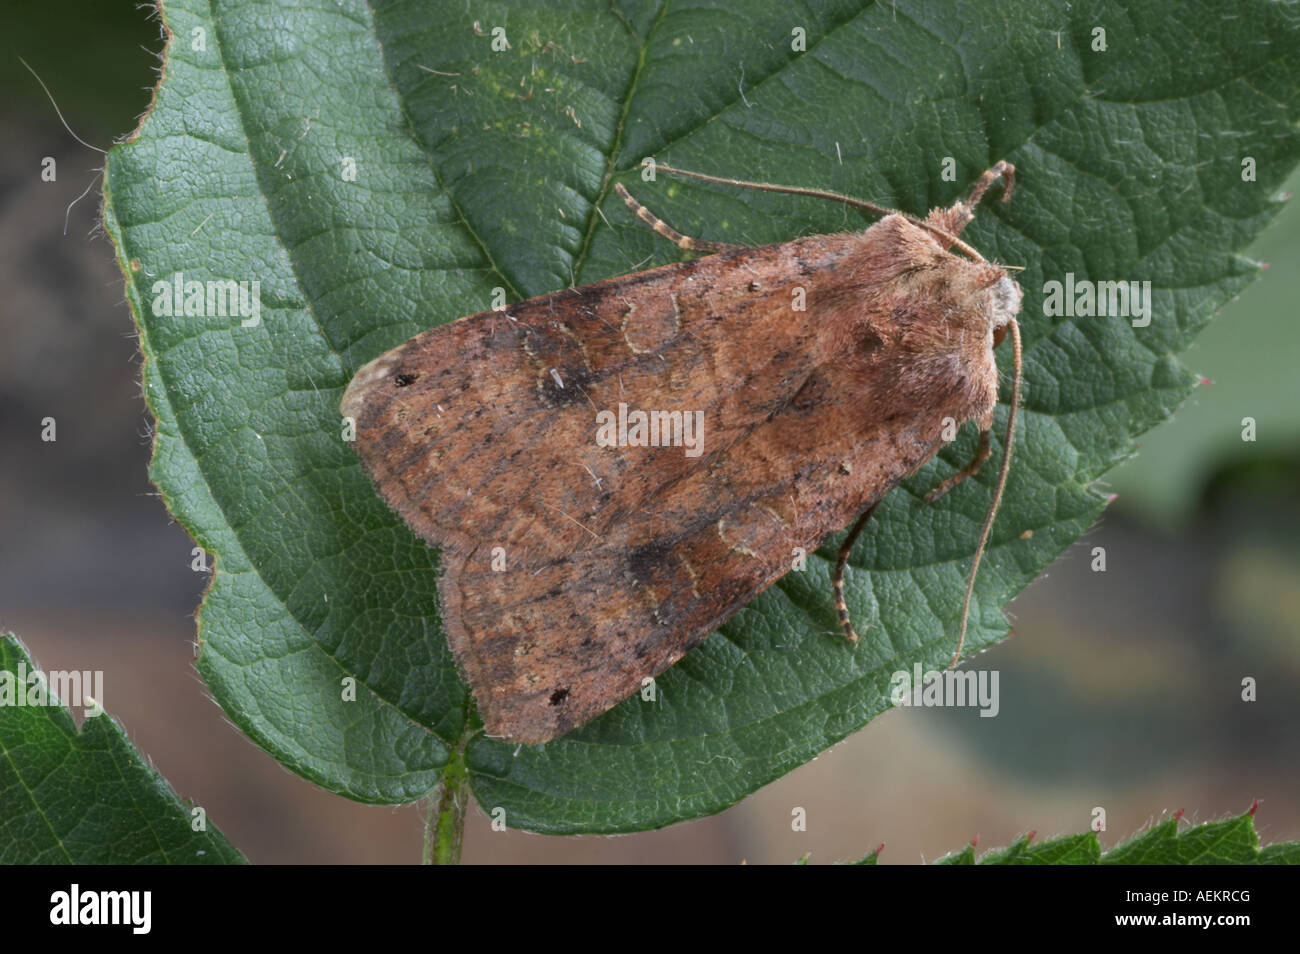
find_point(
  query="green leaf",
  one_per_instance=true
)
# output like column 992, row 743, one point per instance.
column 1232, row 841
column 69, row 797
column 479, row 169
column 1072, row 850
column 870, row 858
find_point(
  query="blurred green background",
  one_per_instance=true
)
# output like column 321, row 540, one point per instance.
column 1121, row 689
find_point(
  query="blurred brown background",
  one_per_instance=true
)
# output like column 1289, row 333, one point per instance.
column 1121, row 689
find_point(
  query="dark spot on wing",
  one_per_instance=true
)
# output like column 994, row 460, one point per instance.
column 810, row 395
column 645, row 562
column 572, row 387
column 869, row 342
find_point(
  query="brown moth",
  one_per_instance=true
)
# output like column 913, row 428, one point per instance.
column 572, row 570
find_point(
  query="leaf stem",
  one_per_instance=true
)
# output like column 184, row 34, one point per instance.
column 444, row 818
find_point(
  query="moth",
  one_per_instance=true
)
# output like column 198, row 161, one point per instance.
column 573, row 570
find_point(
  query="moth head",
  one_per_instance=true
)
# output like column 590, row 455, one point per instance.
column 1005, row 297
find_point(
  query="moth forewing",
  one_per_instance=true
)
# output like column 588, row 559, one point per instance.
column 575, row 566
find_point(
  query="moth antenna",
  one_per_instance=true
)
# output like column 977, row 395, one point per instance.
column 997, row 491
column 834, row 197
column 660, row 227
column 789, row 190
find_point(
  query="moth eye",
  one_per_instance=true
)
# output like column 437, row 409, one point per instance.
column 404, row 379
column 558, row 696
column 999, row 334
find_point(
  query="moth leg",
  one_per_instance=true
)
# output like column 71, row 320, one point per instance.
column 1001, row 170
column 667, row 231
column 837, row 579
column 982, row 453
column 956, row 217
